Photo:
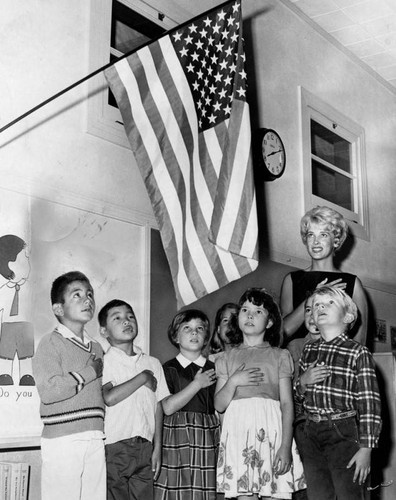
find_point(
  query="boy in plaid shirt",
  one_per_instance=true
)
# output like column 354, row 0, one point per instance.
column 338, row 388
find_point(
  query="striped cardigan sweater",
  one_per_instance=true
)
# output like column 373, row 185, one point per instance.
column 69, row 390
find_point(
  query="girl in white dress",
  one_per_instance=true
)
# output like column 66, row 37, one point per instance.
column 257, row 456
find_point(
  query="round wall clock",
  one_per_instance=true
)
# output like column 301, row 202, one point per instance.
column 272, row 154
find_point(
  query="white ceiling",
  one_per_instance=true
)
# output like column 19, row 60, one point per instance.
column 367, row 28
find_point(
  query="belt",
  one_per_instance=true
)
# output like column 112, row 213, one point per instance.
column 138, row 439
column 318, row 417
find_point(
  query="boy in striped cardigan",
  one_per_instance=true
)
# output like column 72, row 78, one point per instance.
column 68, row 368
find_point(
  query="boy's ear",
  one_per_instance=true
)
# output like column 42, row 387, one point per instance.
column 103, row 332
column 57, row 309
column 348, row 318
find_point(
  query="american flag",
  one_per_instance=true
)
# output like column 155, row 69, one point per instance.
column 183, row 103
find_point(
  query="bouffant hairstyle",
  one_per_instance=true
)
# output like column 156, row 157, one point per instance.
column 260, row 297
column 333, row 221
column 185, row 317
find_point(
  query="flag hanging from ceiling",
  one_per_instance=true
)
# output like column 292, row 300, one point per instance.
column 183, row 103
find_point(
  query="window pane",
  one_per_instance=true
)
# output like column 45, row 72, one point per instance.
column 130, row 30
column 332, row 186
column 330, row 147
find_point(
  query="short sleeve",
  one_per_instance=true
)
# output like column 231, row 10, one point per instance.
column 162, row 386
column 108, row 376
column 286, row 364
column 221, row 368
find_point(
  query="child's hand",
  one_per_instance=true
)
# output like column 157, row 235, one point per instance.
column 336, row 284
column 314, row 374
column 205, row 379
column 283, row 461
column 151, row 381
column 251, row 376
column 361, row 459
column 97, row 365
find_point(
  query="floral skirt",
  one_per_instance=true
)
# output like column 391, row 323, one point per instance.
column 250, row 438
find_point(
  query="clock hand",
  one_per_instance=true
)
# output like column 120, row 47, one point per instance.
column 274, row 152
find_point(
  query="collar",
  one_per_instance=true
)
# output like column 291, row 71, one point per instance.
column 137, row 349
column 342, row 337
column 200, row 361
column 68, row 334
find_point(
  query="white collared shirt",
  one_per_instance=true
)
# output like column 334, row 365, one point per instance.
column 135, row 415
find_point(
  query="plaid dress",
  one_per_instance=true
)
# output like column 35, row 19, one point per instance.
column 190, row 441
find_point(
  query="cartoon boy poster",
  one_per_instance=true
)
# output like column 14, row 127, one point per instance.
column 16, row 335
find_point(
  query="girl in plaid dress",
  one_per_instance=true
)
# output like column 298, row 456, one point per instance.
column 191, row 426
column 257, row 454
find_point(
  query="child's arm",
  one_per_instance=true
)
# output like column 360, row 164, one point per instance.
column 283, row 457
column 225, row 389
column 114, row 394
column 174, row 402
column 53, row 383
column 359, row 297
column 156, row 459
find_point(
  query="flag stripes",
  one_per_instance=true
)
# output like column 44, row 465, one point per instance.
column 199, row 181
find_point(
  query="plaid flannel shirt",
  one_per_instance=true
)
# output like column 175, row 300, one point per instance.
column 352, row 384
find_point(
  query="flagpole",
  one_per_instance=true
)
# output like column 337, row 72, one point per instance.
column 97, row 71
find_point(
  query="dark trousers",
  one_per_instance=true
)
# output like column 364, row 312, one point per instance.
column 129, row 470
column 327, row 447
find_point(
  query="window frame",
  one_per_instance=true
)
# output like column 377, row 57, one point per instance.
column 104, row 120
column 313, row 108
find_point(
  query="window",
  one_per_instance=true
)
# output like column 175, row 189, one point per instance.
column 117, row 27
column 334, row 162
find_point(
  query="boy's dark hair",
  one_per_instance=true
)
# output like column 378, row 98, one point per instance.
column 61, row 282
column 216, row 343
column 260, row 297
column 185, row 317
column 102, row 316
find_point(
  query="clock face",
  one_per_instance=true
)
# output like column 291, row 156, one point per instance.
column 273, row 152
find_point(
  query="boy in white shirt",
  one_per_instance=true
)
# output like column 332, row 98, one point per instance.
column 133, row 388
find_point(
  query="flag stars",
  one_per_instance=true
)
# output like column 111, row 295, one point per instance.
column 235, row 7
column 208, row 50
column 183, row 52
